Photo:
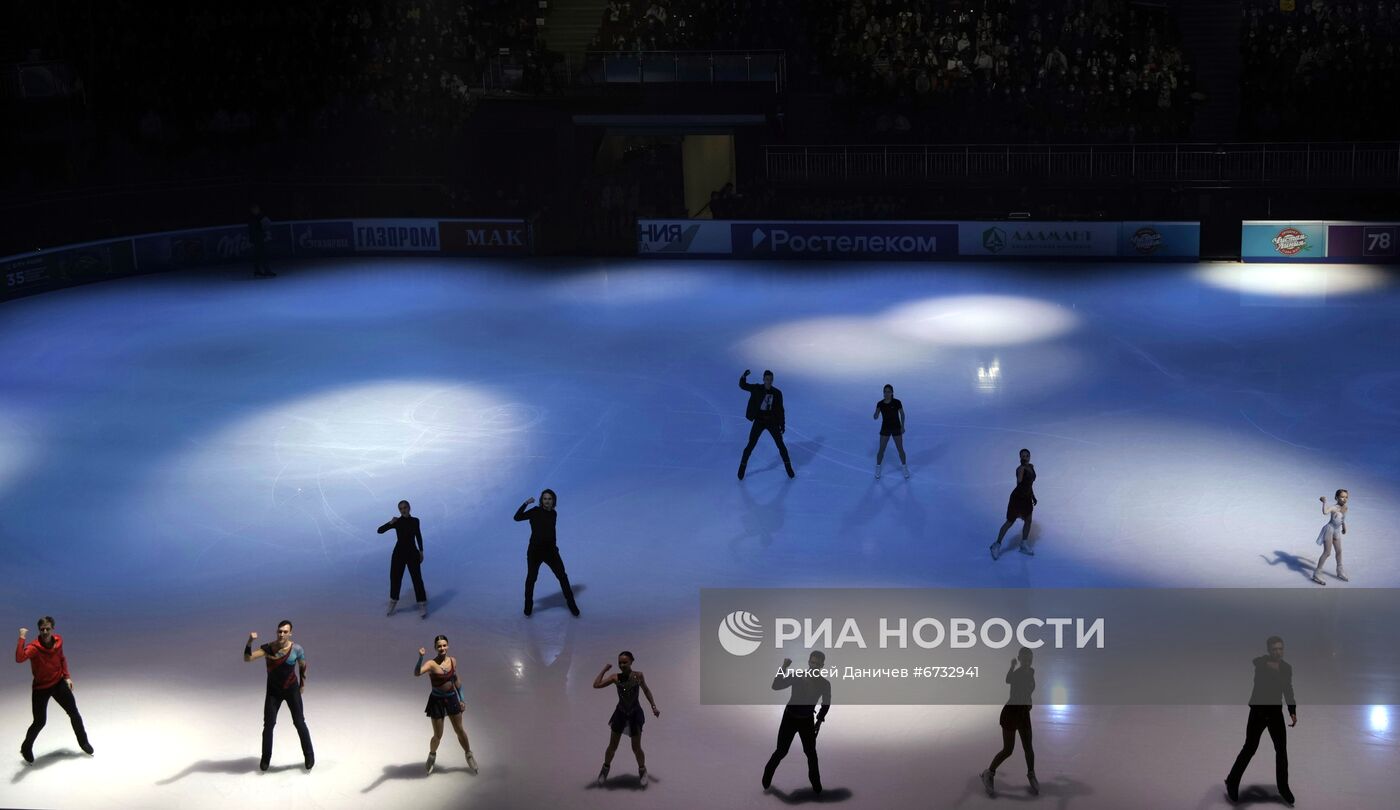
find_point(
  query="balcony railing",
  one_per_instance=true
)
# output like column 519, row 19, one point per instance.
column 1368, row 164
column 685, row 67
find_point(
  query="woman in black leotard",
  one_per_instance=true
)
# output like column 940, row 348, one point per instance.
column 628, row 717
column 1020, row 505
column 1016, row 718
column 893, row 426
column 445, row 699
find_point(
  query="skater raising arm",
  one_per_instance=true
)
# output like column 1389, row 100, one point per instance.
column 783, row 680
column 522, row 513
column 744, row 381
column 431, row 666
column 49, row 667
column 248, row 652
column 414, row 530
column 1339, row 508
column 408, row 553
column 57, row 666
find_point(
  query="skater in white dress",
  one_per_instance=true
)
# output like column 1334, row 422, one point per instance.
column 1330, row 538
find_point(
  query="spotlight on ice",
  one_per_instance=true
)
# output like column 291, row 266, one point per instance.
column 834, row 347
column 1293, row 280
column 979, row 320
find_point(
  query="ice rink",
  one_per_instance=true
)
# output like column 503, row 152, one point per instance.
column 188, row 457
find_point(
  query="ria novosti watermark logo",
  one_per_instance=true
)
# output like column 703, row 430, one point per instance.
column 1100, row 646
column 741, row 633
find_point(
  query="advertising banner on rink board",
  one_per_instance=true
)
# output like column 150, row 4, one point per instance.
column 452, row 237
column 1028, row 239
column 920, row 240
column 1159, row 240
column 485, row 237
column 46, row 270
column 1283, row 241
column 683, row 237
column 207, row 247
column 1362, row 241
column 845, row 240
column 1089, row 646
column 396, row 236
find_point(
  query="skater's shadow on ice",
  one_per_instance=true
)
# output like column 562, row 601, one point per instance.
column 437, row 600
column 626, row 781
column 801, row 453
column 45, row 761
column 556, row 600
column 411, row 771
column 230, row 766
column 1301, row 566
column 805, row 795
column 1061, row 791
column 1249, row 796
column 760, row 521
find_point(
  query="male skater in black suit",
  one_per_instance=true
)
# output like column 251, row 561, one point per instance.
column 1273, row 680
column 766, row 412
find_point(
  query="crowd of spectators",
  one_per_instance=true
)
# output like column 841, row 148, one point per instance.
column 654, row 25
column 230, row 75
column 1322, row 70
column 1007, row 70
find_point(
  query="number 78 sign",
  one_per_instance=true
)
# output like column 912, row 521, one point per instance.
column 1378, row 240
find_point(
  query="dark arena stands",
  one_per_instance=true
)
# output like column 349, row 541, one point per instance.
column 275, row 273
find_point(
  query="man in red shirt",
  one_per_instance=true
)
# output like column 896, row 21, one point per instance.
column 51, row 680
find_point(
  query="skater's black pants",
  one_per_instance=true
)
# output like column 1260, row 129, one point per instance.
column 1015, row 720
column 271, row 704
column 63, row 696
column 550, row 557
column 406, row 557
column 804, row 726
column 260, row 260
column 760, row 425
column 1260, row 718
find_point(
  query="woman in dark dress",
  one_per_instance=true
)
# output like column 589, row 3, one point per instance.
column 1016, row 718
column 1020, row 505
column 628, row 717
column 892, row 411
column 445, row 700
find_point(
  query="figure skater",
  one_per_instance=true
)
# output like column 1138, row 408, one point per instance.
column 1273, row 683
column 628, row 717
column 893, row 426
column 1016, row 719
column 408, row 551
column 1330, row 538
column 544, row 549
column 445, row 699
column 49, row 666
column 1020, row 505
column 798, row 717
column 286, row 678
column 765, row 410
column 259, row 231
